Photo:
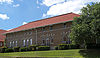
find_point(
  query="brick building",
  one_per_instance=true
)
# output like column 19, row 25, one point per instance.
column 2, row 37
column 50, row 32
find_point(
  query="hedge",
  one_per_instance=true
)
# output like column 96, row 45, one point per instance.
column 9, row 50
column 63, row 46
column 2, row 50
column 23, row 49
column 16, row 49
column 32, row 48
column 56, row 47
column 67, row 46
column 41, row 48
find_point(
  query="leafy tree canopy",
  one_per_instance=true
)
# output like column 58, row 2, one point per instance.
column 86, row 28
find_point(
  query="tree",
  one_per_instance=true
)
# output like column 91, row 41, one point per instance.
column 86, row 28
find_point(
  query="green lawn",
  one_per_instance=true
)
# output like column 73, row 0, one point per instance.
column 55, row 53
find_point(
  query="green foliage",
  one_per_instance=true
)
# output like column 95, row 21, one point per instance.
column 71, row 46
column 32, row 48
column 86, row 28
column 2, row 50
column 93, row 46
column 23, row 49
column 16, row 49
column 63, row 46
column 42, row 48
column 56, row 47
column 9, row 50
column 68, row 46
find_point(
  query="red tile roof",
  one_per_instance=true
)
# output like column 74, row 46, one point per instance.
column 47, row 21
column 2, row 37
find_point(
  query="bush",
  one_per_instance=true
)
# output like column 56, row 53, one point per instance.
column 41, row 48
column 68, row 46
column 16, row 49
column 56, row 47
column 63, row 46
column 74, row 46
column 93, row 46
column 2, row 50
column 9, row 50
column 32, row 48
column 23, row 49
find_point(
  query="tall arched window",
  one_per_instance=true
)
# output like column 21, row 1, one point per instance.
column 30, row 41
column 10, row 44
column 27, row 42
column 16, row 43
column 13, row 43
column 23, row 42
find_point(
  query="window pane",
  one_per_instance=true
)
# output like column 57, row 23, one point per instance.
column 30, row 41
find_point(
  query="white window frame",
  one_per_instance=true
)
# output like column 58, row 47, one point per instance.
column 10, row 44
column 27, row 42
column 23, row 42
column 13, row 43
column 16, row 43
column 30, row 41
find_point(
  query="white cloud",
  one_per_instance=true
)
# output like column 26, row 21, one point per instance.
column 44, row 15
column 6, row 1
column 24, row 23
column 4, row 16
column 8, row 29
column 16, row 5
column 38, row 7
column 58, row 7
column 52, row 2
column 37, row 2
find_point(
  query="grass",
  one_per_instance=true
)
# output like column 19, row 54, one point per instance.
column 55, row 53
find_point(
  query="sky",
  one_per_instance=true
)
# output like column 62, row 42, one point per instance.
column 14, row 13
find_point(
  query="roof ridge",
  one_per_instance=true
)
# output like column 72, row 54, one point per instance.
column 51, row 17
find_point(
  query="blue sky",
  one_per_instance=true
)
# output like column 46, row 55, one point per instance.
column 14, row 13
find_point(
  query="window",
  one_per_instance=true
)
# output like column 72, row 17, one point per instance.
column 51, row 40
column 16, row 43
column 10, row 44
column 30, row 32
column 30, row 41
column 13, row 43
column 1, row 43
column 27, row 42
column 43, row 29
column 50, row 27
column 64, row 25
column 23, row 42
column 43, row 41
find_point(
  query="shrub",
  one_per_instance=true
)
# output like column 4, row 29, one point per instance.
column 63, row 46
column 32, row 48
column 93, row 46
column 74, row 46
column 56, row 47
column 23, row 49
column 41, row 48
column 68, row 46
column 16, row 49
column 9, row 50
column 2, row 50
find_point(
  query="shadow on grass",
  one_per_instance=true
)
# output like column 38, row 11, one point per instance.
column 90, row 53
